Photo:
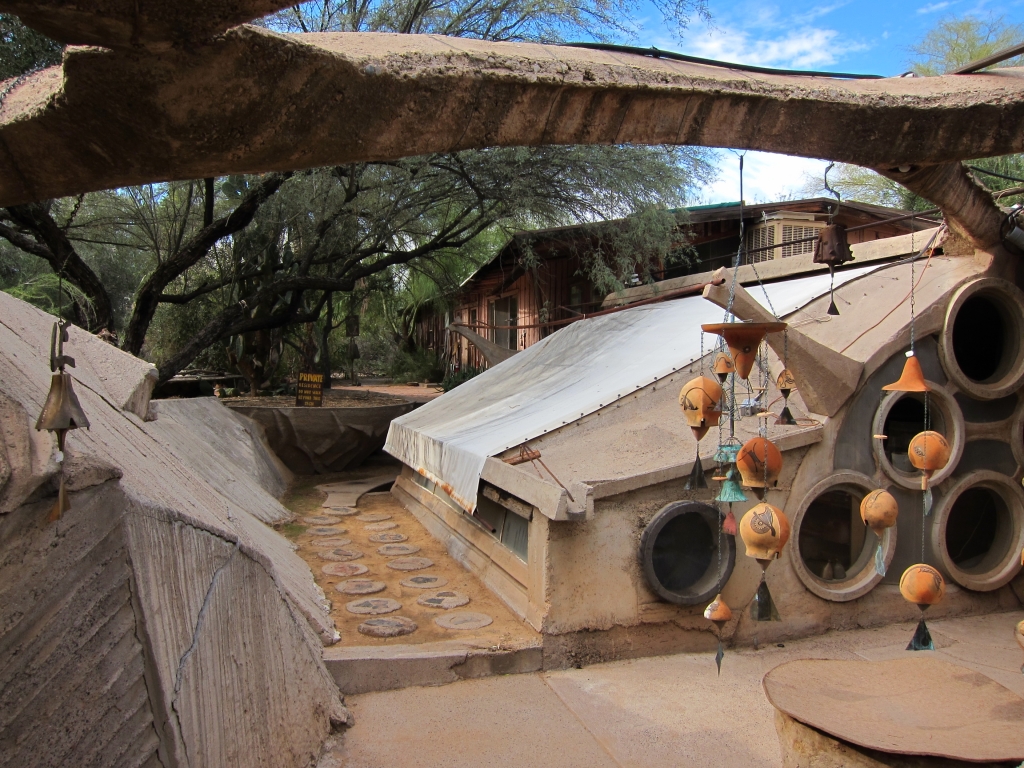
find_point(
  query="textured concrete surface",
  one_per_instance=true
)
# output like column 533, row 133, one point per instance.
column 665, row 712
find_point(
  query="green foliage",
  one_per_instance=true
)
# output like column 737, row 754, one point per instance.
column 23, row 50
column 46, row 291
column 955, row 42
column 453, row 379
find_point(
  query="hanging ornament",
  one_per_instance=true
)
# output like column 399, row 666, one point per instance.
column 723, row 366
column 759, row 463
column 743, row 340
column 924, row 586
column 699, row 400
column 912, row 378
column 832, row 249
column 61, row 412
column 786, row 384
column 765, row 531
column 929, row 452
column 1018, row 633
column 878, row 510
column 718, row 613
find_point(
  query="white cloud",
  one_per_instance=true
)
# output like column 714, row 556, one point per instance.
column 767, row 177
column 799, row 48
column 933, row 7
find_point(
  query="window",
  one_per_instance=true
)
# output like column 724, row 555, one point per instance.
column 511, row 529
column 504, row 314
column 576, row 297
column 833, row 541
column 760, row 237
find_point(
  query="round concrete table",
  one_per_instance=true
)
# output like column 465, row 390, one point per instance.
column 914, row 711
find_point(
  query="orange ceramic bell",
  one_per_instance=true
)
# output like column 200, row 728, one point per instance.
column 786, row 382
column 765, row 531
column 759, row 463
column 922, row 585
column 718, row 611
column 698, row 399
column 878, row 510
column 912, row 379
column 929, row 452
column 743, row 340
column 723, row 366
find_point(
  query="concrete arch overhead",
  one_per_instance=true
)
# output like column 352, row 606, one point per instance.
column 250, row 100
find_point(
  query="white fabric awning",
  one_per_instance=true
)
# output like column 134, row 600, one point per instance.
column 574, row 372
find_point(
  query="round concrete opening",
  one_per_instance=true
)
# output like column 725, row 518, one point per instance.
column 835, row 552
column 979, row 530
column 980, row 344
column 900, row 416
column 679, row 553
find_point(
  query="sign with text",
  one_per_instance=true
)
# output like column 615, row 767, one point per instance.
column 310, row 390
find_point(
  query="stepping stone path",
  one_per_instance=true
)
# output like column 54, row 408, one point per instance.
column 360, row 587
column 445, row 599
column 324, row 531
column 397, row 550
column 339, row 511
column 320, row 520
column 410, row 563
column 380, row 526
column 332, row 542
column 341, row 555
column 388, row 538
column 374, row 517
column 344, row 570
column 375, row 606
column 423, row 581
column 463, row 620
column 387, row 626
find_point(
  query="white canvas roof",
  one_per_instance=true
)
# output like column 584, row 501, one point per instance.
column 570, row 374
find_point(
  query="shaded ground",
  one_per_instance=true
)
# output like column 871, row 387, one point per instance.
column 418, row 394
column 670, row 711
column 349, row 397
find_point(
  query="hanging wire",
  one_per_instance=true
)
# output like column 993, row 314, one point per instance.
column 739, row 250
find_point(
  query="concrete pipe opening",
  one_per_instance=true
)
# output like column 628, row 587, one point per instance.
column 900, row 416
column 980, row 345
column 835, row 551
column 979, row 530
column 679, row 553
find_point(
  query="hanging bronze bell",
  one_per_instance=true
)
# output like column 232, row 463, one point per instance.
column 832, row 247
column 62, row 411
column 912, row 379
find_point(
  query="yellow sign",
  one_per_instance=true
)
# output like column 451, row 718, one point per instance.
column 310, row 391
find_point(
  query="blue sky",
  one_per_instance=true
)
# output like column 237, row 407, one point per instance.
column 869, row 36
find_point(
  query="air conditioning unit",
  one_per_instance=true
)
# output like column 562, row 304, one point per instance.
column 781, row 229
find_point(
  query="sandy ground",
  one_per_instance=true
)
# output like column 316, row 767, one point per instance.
column 418, row 394
column 664, row 712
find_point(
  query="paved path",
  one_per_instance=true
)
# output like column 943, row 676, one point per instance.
column 670, row 711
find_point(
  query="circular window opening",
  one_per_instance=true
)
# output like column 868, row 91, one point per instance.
column 973, row 527
column 979, row 340
column 834, row 542
column 680, row 556
column 906, row 419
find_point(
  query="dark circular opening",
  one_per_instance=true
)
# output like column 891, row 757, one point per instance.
column 904, row 420
column 834, row 542
column 682, row 551
column 979, row 338
column 973, row 526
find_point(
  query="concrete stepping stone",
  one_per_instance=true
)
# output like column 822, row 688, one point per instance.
column 320, row 520
column 360, row 587
column 338, row 510
column 388, row 538
column 340, row 555
column 410, row 563
column 344, row 570
column 397, row 550
column 387, row 626
column 463, row 620
column 332, row 542
column 373, row 517
column 380, row 527
column 445, row 599
column 423, row 581
column 324, row 531
column 375, row 606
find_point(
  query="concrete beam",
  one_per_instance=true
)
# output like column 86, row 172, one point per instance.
column 492, row 353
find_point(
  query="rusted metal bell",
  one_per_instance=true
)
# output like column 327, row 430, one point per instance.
column 928, row 452
column 832, row 247
column 698, row 399
column 723, row 366
column 62, row 411
column 743, row 340
column 912, row 379
column 759, row 463
column 765, row 531
column 878, row 510
column 922, row 585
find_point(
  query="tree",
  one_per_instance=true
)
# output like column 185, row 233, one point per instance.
column 23, row 50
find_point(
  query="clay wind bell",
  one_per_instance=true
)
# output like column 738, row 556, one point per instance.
column 759, row 463
column 61, row 412
column 723, row 366
column 928, row 451
column 743, row 339
column 699, row 400
column 786, row 384
column 879, row 510
column 765, row 531
column 1018, row 633
column 718, row 613
column 731, row 492
column 923, row 586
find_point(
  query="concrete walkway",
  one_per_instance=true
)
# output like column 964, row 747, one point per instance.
column 671, row 711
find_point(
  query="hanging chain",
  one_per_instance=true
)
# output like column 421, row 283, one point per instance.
column 739, row 252
column 913, row 305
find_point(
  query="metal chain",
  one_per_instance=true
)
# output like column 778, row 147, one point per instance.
column 739, row 252
column 912, row 305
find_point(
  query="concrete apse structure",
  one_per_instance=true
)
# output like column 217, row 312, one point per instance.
column 163, row 622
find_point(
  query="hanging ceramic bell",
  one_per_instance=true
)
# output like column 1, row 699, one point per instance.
column 723, row 366
column 923, row 586
column 929, row 452
column 729, row 526
column 743, row 340
column 878, row 510
column 731, row 492
column 765, row 531
column 786, row 384
column 759, row 463
column 698, row 398
column 912, row 379
column 718, row 613
column 1019, row 634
